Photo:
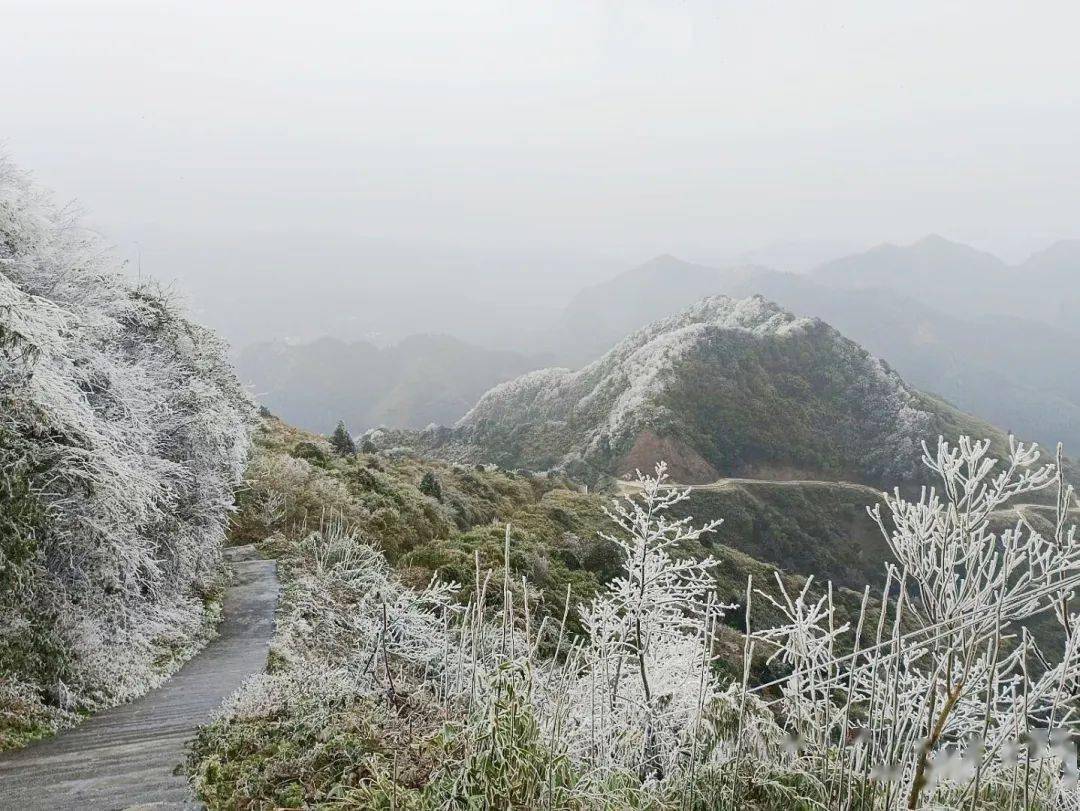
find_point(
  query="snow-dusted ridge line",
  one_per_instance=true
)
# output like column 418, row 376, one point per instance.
column 633, row 397
column 649, row 350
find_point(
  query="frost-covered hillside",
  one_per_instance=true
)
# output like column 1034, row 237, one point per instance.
column 1006, row 369
column 729, row 387
column 123, row 432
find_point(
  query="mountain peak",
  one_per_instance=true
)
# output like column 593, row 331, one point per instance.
column 666, row 259
column 755, row 313
column 1062, row 255
column 940, row 269
column 935, row 241
column 666, row 263
column 728, row 387
column 937, row 245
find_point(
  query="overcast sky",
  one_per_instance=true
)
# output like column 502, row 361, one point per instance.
column 263, row 151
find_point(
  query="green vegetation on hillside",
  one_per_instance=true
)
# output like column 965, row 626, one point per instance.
column 819, row 528
column 810, row 407
column 317, row 745
column 295, row 483
column 367, row 700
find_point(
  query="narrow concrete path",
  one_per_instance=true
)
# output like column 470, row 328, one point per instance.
column 128, row 757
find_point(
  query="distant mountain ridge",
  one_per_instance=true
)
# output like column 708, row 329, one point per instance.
column 933, row 262
column 421, row 380
column 727, row 388
column 994, row 339
column 1007, row 368
column 949, row 275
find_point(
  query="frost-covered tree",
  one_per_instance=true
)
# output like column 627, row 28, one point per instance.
column 648, row 665
column 123, row 433
column 341, row 440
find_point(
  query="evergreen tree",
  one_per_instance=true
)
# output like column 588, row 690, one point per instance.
column 342, row 440
column 431, row 486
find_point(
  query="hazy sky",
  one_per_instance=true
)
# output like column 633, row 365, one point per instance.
column 262, row 152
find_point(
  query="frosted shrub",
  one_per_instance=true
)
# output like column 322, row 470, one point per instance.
column 946, row 699
column 123, row 423
column 347, row 610
column 934, row 695
column 577, row 726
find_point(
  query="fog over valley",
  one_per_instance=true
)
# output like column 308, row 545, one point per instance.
column 429, row 166
column 580, row 405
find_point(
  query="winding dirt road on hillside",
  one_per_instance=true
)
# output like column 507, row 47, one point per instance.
column 631, row 486
column 128, row 757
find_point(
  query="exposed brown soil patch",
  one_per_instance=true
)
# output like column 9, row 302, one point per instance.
column 685, row 465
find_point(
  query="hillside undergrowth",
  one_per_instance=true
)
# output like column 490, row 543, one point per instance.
column 396, row 687
column 308, row 732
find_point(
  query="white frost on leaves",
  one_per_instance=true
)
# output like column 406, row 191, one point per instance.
column 647, row 682
column 538, row 391
column 348, row 607
column 635, row 701
column 949, row 696
column 133, row 432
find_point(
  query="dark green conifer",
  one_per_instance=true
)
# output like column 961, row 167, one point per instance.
column 431, row 486
column 341, row 440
